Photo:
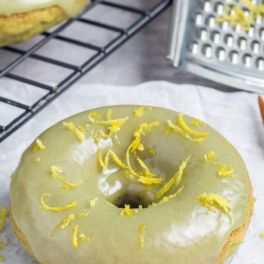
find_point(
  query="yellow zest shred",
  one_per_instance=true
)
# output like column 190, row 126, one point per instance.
column 97, row 136
column 225, row 171
column 2, row 259
column 111, row 122
column 3, row 216
column 197, row 122
column 83, row 238
column 127, row 211
column 149, row 180
column 261, row 235
column 171, row 197
column 39, row 146
column 136, row 144
column 77, row 238
column 141, row 235
column 240, row 17
column 189, row 130
column 144, row 166
column 175, row 128
column 93, row 117
column 65, row 222
column 55, row 209
column 2, row 245
column 116, row 159
column 113, row 125
column 211, row 155
column 55, row 171
column 75, row 232
column 174, row 181
column 37, row 160
column 104, row 161
column 56, row 174
column 145, row 128
column 139, row 112
column 217, row 201
column 94, row 201
column 80, row 135
column 101, row 159
column 129, row 166
column 250, row 5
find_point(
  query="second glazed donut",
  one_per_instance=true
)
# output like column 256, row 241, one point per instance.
column 20, row 20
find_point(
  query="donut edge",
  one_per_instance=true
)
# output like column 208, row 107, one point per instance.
column 21, row 237
column 235, row 239
column 237, row 236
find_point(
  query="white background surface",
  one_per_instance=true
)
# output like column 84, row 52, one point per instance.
column 235, row 115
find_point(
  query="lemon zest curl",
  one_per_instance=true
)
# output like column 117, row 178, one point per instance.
column 79, row 134
column 225, row 171
column 39, row 146
column 189, row 130
column 94, row 201
column 171, row 197
column 144, row 166
column 139, row 112
column 127, row 211
column 240, row 17
column 56, row 174
column 64, row 223
column 104, row 161
column 175, row 128
column 55, row 209
column 77, row 238
column 149, row 180
column 141, row 235
column 137, row 145
column 211, row 155
column 173, row 181
column 112, row 125
column 261, row 235
column 217, row 201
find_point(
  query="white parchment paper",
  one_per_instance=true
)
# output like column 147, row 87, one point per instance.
column 235, row 115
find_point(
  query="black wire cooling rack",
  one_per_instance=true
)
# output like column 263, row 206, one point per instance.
column 76, row 71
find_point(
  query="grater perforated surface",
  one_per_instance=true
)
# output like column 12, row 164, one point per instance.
column 221, row 52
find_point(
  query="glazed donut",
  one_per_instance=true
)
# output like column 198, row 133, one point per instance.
column 130, row 184
column 20, row 20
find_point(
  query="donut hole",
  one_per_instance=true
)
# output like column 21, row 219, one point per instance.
column 120, row 191
column 135, row 201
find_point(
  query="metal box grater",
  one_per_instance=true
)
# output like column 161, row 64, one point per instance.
column 219, row 52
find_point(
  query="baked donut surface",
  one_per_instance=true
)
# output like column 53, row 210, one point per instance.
column 20, row 20
column 130, row 184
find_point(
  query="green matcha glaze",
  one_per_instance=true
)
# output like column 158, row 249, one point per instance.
column 180, row 231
